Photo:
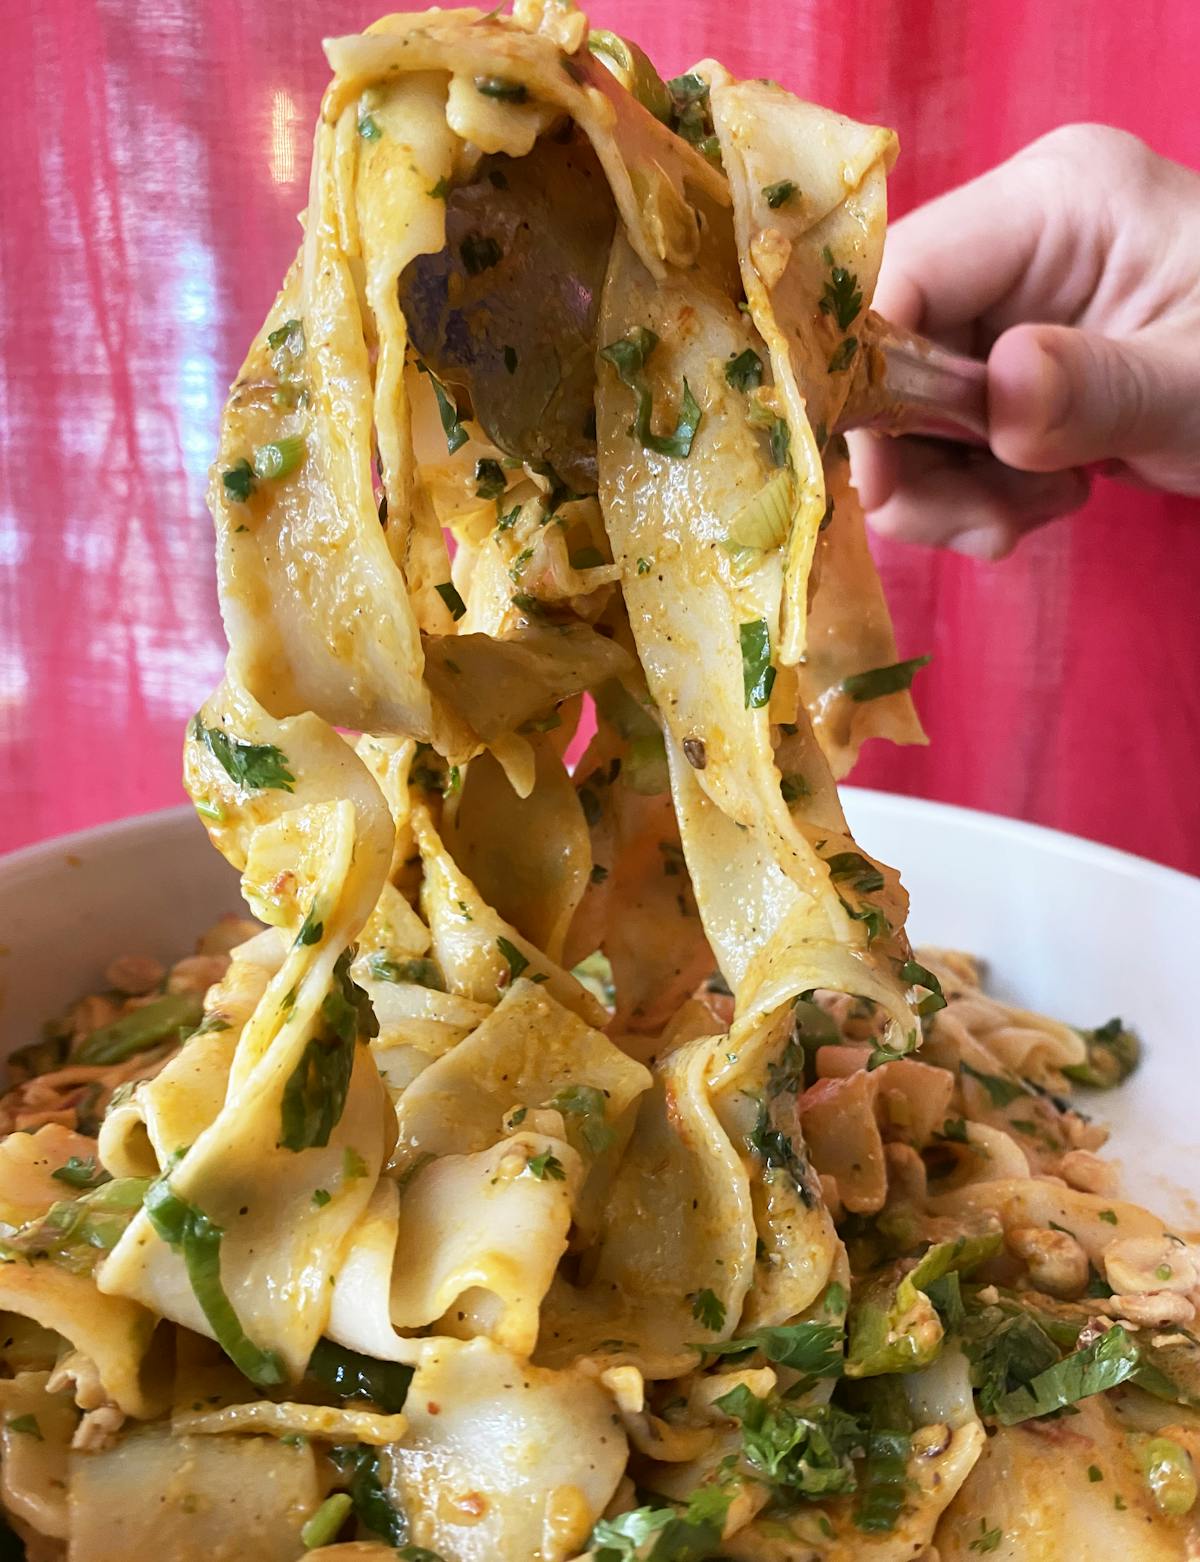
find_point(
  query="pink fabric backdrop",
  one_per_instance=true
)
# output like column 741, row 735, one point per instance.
column 153, row 154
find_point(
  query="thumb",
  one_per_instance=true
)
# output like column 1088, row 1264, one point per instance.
column 1060, row 397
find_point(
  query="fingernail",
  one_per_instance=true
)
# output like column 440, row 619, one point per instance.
column 1056, row 393
column 982, row 542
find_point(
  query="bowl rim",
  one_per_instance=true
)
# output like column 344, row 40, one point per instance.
column 1040, row 836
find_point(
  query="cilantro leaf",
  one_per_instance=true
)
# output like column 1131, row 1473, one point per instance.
column 80, row 1172
column 588, row 1103
column 517, row 962
column 546, row 1165
column 879, row 681
column 917, row 975
column 842, row 297
column 350, row 1375
column 1104, row 1364
column 1113, row 1052
column 744, row 371
column 256, row 767
column 708, row 1309
column 799, row 1451
column 628, row 356
column 1001, row 1092
column 190, row 1232
column 758, row 676
column 812, row 1348
column 777, row 195
column 422, row 973
column 448, row 592
column 456, row 434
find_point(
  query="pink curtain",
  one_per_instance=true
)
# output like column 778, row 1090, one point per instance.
column 152, row 159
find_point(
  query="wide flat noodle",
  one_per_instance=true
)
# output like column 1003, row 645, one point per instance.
column 834, row 214
column 678, row 1221
column 849, row 631
column 503, row 1459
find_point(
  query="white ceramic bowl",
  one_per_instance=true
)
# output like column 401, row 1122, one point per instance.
column 1076, row 929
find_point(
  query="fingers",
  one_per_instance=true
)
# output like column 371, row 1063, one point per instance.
column 949, row 262
column 1060, row 398
column 1026, row 240
column 939, row 495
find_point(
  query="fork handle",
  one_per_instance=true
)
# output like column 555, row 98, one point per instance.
column 907, row 384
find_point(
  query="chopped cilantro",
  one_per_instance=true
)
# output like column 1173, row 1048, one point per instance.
column 80, row 1172
column 708, row 1309
column 628, row 356
column 794, row 787
column 987, row 1539
column 238, row 481
column 448, row 592
column 546, row 1165
column 456, row 434
column 842, row 298
column 777, row 195
column 745, row 370
column 490, row 481
column 879, row 681
column 517, row 962
column 502, row 89
column 758, row 676
column 588, row 1103
column 256, row 767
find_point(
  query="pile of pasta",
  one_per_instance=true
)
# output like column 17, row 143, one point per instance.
column 553, row 1173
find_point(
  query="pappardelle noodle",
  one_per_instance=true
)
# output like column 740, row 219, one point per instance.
column 570, row 1161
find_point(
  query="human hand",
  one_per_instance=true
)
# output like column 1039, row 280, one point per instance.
column 1075, row 268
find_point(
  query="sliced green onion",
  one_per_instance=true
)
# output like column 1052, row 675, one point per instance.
column 321, row 1528
column 764, row 521
column 781, row 442
column 634, row 70
column 280, row 458
column 141, row 1028
column 1168, row 1471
